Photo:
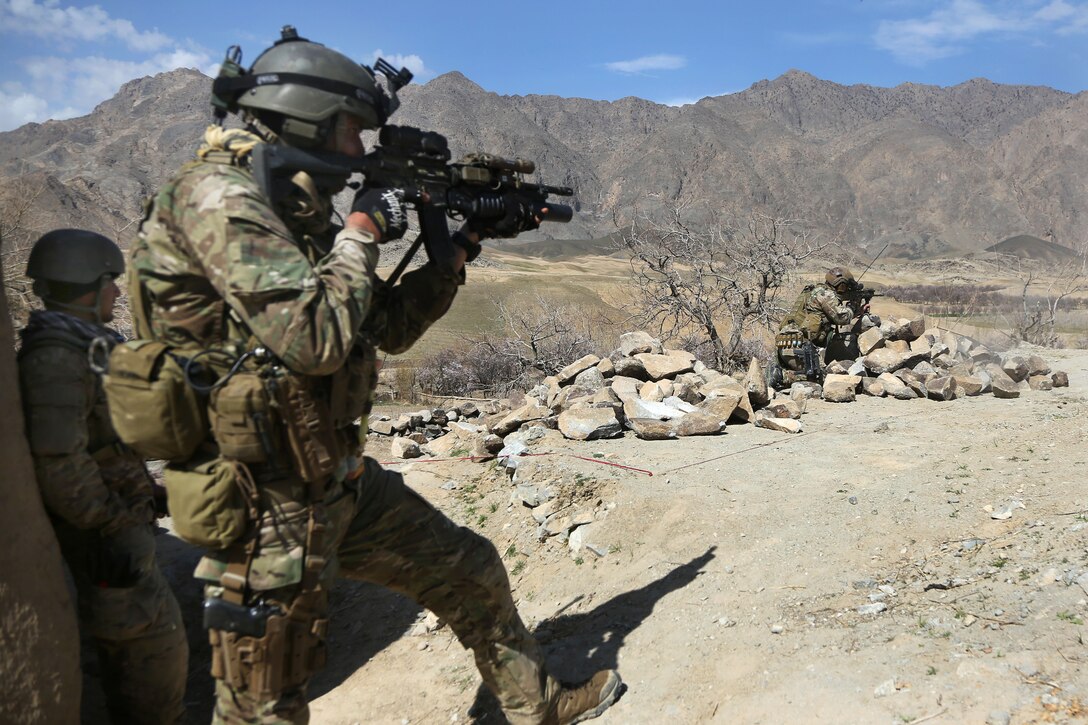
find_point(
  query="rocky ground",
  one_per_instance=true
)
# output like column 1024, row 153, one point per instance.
column 897, row 561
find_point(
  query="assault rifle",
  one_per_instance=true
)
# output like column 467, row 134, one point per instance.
column 858, row 292
column 486, row 187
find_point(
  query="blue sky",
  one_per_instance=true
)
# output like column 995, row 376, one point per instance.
column 59, row 58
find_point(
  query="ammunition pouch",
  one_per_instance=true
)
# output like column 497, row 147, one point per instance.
column 153, row 408
column 788, row 344
column 242, row 420
column 211, row 501
column 312, row 440
column 263, row 650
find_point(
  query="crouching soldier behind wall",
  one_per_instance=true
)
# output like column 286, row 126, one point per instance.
column 810, row 334
column 221, row 270
column 98, row 493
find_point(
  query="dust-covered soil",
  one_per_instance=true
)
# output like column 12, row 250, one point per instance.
column 850, row 574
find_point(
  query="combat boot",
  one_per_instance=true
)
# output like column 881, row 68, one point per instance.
column 588, row 699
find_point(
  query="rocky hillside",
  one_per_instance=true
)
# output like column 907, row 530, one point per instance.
column 932, row 170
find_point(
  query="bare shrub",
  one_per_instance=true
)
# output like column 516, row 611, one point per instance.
column 718, row 281
column 539, row 337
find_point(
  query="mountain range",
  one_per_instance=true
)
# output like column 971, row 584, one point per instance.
column 927, row 170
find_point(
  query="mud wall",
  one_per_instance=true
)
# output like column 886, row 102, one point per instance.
column 39, row 643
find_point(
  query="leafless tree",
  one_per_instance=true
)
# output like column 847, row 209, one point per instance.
column 720, row 279
column 17, row 234
column 1043, row 295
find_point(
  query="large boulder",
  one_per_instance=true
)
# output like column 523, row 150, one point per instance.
column 1037, row 366
column 515, row 419
column 568, row 373
column 870, row 340
column 895, row 387
column 1040, row 382
column 622, row 385
column 699, row 423
column 721, row 406
column 841, row 388
column 404, row 448
column 783, row 408
column 883, row 360
column 873, row 387
column 1016, row 367
column 1002, row 388
column 651, row 429
column 783, row 425
column 587, row 424
column 639, row 408
column 805, row 390
column 666, row 365
column 756, row 382
column 941, row 388
column 915, row 381
column 969, row 384
column 655, row 390
column 633, row 343
column 630, row 367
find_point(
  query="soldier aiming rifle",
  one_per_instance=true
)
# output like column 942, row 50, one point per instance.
column 238, row 263
column 811, row 334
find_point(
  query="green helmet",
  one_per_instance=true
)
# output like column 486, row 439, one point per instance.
column 67, row 264
column 840, row 279
column 305, row 85
column 74, row 256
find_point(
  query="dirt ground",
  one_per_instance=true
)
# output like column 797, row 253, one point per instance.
column 731, row 586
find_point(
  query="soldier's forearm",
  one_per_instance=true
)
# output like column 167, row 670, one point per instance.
column 73, row 490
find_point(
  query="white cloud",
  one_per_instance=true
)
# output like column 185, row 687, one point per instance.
column 61, row 86
column 648, row 63
column 947, row 30
column 17, row 108
column 58, row 88
column 412, row 62
column 49, row 19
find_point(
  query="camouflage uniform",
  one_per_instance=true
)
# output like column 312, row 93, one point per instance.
column 815, row 314
column 222, row 269
column 99, row 499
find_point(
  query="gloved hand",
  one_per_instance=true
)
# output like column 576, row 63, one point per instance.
column 385, row 208
column 519, row 217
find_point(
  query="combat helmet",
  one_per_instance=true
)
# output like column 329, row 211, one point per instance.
column 839, row 279
column 68, row 263
column 297, row 87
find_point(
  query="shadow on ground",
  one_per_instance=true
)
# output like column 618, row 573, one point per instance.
column 578, row 645
column 367, row 618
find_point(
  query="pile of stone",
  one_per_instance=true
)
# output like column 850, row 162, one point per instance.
column 655, row 392
column 416, row 433
column 661, row 394
column 902, row 359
